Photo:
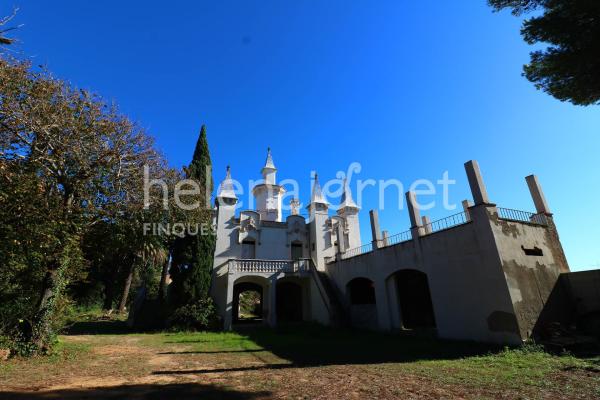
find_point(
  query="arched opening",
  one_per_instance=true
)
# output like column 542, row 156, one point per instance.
column 289, row 302
column 247, row 302
column 361, row 291
column 361, row 296
column 416, row 307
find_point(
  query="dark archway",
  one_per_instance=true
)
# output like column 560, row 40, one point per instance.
column 247, row 302
column 289, row 302
column 415, row 299
column 361, row 291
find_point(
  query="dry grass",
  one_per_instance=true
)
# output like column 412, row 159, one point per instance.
column 295, row 362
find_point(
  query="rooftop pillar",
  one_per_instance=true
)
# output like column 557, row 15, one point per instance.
column 413, row 209
column 375, row 231
column 476, row 183
column 537, row 195
column 415, row 215
column 466, row 204
column 427, row 224
column 386, row 238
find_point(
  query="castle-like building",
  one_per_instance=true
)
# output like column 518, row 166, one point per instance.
column 483, row 274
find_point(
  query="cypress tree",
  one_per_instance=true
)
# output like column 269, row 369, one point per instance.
column 192, row 255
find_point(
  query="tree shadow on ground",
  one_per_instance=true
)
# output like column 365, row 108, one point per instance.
column 180, row 391
column 308, row 345
column 99, row 327
column 315, row 345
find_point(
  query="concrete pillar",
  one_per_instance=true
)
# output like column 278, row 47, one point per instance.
column 394, row 303
column 229, row 304
column 466, row 204
column 416, row 228
column 413, row 209
column 537, row 194
column 386, row 238
column 427, row 225
column 375, row 230
column 273, row 302
column 478, row 189
column 381, row 303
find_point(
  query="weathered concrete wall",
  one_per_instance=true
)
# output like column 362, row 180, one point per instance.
column 528, row 254
column 468, row 290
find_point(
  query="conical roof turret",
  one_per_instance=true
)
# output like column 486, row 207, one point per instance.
column 226, row 190
column 317, row 196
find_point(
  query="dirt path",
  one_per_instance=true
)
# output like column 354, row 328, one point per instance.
column 204, row 367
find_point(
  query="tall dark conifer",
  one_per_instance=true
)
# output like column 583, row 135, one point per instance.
column 193, row 254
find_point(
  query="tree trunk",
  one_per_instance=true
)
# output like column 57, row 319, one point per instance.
column 109, row 296
column 126, row 290
column 109, row 289
column 47, row 288
column 162, row 288
column 40, row 328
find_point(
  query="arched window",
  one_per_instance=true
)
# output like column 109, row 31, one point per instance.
column 415, row 299
column 361, row 291
column 247, row 302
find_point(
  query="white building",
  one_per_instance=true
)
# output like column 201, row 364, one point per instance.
column 483, row 274
column 259, row 250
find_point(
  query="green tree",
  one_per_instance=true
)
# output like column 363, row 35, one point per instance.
column 569, row 69
column 192, row 255
column 68, row 161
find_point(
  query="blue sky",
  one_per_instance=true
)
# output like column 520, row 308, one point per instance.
column 409, row 89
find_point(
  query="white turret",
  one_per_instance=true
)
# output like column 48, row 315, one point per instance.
column 268, row 171
column 225, row 212
column 320, row 227
column 348, row 210
column 268, row 195
column 317, row 199
column 226, row 192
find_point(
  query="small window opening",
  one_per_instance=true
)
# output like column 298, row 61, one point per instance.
column 533, row 252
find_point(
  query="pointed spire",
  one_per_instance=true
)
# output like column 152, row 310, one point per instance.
column 346, row 200
column 226, row 187
column 269, row 162
column 317, row 193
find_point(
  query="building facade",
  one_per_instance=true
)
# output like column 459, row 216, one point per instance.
column 483, row 274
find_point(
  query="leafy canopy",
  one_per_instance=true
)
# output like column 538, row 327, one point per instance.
column 569, row 68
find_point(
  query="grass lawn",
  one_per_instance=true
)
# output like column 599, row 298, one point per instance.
column 291, row 362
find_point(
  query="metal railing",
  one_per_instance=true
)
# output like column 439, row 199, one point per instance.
column 268, row 266
column 357, row 251
column 522, row 216
column 446, row 223
column 398, row 238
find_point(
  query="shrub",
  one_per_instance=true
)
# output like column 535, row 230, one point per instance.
column 198, row 316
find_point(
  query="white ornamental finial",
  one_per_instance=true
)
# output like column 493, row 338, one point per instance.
column 295, row 206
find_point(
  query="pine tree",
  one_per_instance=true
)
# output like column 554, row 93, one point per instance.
column 192, row 255
column 568, row 67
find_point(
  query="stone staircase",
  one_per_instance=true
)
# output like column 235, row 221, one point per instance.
column 331, row 297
